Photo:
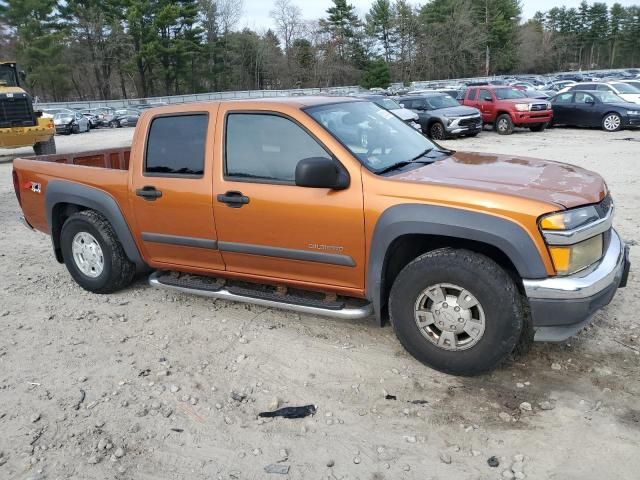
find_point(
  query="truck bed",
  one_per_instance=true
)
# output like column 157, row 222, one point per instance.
column 106, row 170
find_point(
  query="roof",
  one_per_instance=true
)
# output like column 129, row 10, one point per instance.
column 299, row 102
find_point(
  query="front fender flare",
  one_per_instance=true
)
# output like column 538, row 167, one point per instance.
column 410, row 219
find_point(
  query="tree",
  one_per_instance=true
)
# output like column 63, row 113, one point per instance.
column 288, row 20
column 381, row 24
column 377, row 75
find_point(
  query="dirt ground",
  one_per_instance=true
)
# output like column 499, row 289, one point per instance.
column 138, row 384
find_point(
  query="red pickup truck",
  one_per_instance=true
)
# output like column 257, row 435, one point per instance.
column 507, row 107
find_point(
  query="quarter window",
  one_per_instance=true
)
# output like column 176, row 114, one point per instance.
column 176, row 145
column 266, row 147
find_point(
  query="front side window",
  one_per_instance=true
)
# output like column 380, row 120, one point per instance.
column 582, row 97
column 377, row 138
column 472, row 94
column 266, row 147
column 176, row 145
column 509, row 93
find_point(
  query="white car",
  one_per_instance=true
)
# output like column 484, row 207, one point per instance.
column 625, row 91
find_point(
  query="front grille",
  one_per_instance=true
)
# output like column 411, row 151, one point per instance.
column 536, row 107
column 15, row 111
column 469, row 122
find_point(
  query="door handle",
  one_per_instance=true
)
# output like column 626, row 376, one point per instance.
column 149, row 193
column 233, row 199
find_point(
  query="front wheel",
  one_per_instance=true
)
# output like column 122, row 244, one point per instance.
column 541, row 127
column 457, row 311
column 504, row 124
column 93, row 254
column 611, row 122
column 436, row 131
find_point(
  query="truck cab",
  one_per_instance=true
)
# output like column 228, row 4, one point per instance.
column 507, row 107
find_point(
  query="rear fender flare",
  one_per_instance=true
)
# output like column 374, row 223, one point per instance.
column 505, row 235
column 64, row 192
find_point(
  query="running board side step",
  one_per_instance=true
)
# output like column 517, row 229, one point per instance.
column 349, row 309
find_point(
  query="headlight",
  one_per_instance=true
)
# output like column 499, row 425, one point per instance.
column 573, row 258
column 522, row 107
column 448, row 120
column 569, row 219
column 633, row 112
column 548, row 105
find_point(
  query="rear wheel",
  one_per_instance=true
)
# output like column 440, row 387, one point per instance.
column 504, row 125
column 436, row 131
column 457, row 311
column 541, row 127
column 93, row 254
column 611, row 122
column 45, row 148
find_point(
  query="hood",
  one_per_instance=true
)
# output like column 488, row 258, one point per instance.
column 625, row 105
column 460, row 111
column 551, row 182
column 404, row 114
column 62, row 119
column 630, row 97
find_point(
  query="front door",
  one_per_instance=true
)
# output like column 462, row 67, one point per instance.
column 585, row 110
column 172, row 193
column 563, row 109
column 268, row 226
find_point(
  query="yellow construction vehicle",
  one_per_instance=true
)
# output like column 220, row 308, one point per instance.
column 20, row 124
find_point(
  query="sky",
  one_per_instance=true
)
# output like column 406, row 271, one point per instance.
column 256, row 12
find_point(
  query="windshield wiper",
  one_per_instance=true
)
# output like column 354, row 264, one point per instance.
column 404, row 163
column 425, row 152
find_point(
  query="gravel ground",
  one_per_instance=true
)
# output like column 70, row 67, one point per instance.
column 145, row 384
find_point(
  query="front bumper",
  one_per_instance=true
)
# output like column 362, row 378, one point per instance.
column 525, row 118
column 64, row 129
column 464, row 126
column 561, row 306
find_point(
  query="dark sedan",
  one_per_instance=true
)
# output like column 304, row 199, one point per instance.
column 594, row 109
column 124, row 118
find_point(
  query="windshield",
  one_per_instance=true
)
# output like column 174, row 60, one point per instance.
column 509, row 93
column 441, row 101
column 376, row 137
column 8, row 76
column 607, row 97
column 625, row 88
column 387, row 104
column 59, row 116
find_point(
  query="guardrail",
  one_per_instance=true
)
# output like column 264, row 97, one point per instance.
column 198, row 97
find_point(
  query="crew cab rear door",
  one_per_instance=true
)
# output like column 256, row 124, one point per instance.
column 486, row 105
column 270, row 228
column 171, row 191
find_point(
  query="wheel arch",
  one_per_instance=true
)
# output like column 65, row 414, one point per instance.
column 63, row 199
column 404, row 232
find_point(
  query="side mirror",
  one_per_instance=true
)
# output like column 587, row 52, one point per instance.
column 488, row 99
column 589, row 101
column 402, row 105
column 422, row 108
column 320, row 172
column 23, row 76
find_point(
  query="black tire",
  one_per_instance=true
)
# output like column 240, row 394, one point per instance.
column 118, row 270
column 504, row 124
column 494, row 289
column 611, row 122
column 75, row 129
column 45, row 148
column 436, row 131
column 541, row 127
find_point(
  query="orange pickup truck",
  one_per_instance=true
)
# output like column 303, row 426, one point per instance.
column 333, row 206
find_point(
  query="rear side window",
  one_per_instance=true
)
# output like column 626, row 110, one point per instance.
column 485, row 95
column 175, row 145
column 266, row 148
column 472, row 94
column 563, row 98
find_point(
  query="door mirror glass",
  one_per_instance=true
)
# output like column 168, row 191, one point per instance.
column 320, row 172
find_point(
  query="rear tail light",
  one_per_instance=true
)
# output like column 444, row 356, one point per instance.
column 16, row 186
